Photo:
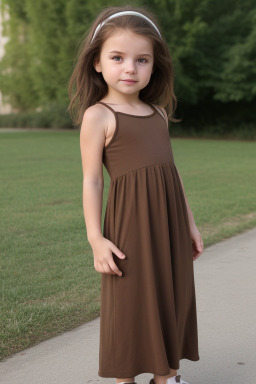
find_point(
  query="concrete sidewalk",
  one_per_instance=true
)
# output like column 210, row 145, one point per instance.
column 225, row 278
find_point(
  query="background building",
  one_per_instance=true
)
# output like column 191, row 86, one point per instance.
column 4, row 108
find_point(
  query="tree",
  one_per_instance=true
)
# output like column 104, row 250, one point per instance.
column 212, row 42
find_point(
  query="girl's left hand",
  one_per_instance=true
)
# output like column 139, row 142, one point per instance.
column 197, row 242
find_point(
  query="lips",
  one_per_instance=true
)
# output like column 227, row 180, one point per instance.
column 129, row 81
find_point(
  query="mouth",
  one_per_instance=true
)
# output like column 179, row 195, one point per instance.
column 129, row 81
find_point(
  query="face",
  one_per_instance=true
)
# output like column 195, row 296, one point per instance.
column 126, row 62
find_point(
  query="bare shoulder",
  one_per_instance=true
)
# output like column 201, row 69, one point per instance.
column 93, row 127
column 94, row 118
column 99, row 120
column 92, row 139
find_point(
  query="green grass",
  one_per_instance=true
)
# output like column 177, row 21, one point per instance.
column 48, row 281
column 220, row 183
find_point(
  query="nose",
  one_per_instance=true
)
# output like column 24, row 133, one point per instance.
column 130, row 66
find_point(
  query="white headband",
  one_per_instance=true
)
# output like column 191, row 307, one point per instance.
column 121, row 14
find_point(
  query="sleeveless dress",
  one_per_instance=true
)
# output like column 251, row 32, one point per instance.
column 148, row 319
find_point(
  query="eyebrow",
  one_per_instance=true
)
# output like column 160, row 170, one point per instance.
column 122, row 53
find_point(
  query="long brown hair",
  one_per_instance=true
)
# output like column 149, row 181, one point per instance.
column 87, row 86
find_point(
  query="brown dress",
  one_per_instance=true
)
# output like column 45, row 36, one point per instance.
column 148, row 316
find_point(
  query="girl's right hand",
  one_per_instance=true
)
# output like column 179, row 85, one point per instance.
column 103, row 259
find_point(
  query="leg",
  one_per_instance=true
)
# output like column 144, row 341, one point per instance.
column 162, row 379
column 131, row 380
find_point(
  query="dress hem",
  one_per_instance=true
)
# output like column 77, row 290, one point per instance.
column 141, row 371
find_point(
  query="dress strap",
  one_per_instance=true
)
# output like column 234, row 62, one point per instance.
column 106, row 105
column 156, row 108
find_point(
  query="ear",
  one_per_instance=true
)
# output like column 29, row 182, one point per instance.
column 97, row 65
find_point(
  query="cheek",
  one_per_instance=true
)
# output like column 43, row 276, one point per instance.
column 114, row 70
column 108, row 71
column 148, row 71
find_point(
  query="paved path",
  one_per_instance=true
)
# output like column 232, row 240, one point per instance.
column 225, row 277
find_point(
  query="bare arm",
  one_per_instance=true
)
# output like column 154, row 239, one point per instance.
column 190, row 214
column 197, row 240
column 92, row 139
column 91, row 145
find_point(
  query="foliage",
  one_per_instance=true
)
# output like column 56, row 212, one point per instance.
column 44, row 37
column 52, row 116
column 213, row 45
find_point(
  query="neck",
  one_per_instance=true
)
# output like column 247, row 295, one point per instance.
column 121, row 99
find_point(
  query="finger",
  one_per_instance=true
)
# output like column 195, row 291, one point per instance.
column 106, row 269
column 197, row 254
column 199, row 245
column 195, row 247
column 200, row 249
column 117, row 252
column 114, row 267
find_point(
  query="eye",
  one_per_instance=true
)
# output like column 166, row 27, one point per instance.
column 116, row 57
column 143, row 60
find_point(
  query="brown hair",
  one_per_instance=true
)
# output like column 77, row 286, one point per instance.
column 87, row 86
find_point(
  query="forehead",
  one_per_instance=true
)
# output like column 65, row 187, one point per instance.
column 128, row 41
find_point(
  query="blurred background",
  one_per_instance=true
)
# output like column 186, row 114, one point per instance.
column 212, row 42
column 48, row 281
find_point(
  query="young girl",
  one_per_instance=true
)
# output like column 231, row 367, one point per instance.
column 123, row 80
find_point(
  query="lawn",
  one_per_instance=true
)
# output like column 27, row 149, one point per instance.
column 48, row 281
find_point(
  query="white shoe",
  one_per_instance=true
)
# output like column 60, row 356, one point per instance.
column 175, row 379
column 128, row 382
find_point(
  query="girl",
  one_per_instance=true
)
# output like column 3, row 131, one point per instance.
column 123, row 79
